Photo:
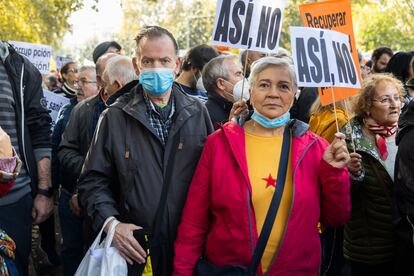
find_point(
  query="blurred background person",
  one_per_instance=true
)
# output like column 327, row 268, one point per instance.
column 400, row 67
column 119, row 78
column 380, row 58
column 404, row 194
column 220, row 76
column 68, row 75
column 190, row 80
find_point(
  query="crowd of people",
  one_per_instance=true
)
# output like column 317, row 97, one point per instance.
column 221, row 162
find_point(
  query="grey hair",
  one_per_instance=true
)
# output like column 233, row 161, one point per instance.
column 88, row 68
column 215, row 69
column 261, row 64
column 120, row 68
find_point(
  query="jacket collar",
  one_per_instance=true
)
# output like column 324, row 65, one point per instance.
column 353, row 130
column 221, row 101
column 136, row 108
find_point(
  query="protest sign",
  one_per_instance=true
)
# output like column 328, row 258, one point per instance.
column 244, row 24
column 53, row 102
column 38, row 54
column 60, row 61
column 323, row 58
column 333, row 15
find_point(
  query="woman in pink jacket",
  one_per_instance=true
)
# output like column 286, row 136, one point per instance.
column 235, row 181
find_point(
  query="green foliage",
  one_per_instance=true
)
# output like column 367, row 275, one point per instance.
column 37, row 21
column 191, row 22
column 388, row 23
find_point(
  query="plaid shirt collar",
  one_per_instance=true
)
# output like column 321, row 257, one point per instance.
column 160, row 126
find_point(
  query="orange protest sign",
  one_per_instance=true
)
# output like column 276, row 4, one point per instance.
column 333, row 15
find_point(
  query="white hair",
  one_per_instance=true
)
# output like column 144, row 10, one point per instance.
column 120, row 68
column 261, row 64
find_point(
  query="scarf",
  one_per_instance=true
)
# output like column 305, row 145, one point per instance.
column 68, row 91
column 380, row 132
column 7, row 248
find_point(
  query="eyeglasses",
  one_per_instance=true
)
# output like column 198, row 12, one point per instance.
column 83, row 82
column 72, row 70
column 386, row 101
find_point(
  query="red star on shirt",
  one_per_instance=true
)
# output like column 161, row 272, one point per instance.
column 270, row 181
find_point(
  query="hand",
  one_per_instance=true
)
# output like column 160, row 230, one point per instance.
column 42, row 208
column 238, row 108
column 6, row 150
column 128, row 246
column 74, row 205
column 355, row 166
column 337, row 154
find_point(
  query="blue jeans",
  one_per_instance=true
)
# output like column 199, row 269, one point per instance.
column 72, row 235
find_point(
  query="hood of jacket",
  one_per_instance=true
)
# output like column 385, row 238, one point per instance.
column 406, row 122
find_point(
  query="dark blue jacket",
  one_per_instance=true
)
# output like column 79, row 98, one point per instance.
column 61, row 122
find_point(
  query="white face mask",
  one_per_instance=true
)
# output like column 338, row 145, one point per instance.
column 200, row 85
column 239, row 87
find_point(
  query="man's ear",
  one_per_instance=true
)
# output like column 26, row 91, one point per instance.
column 135, row 64
column 177, row 68
column 118, row 84
column 220, row 84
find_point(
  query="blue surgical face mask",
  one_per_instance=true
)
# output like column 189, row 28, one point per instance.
column 270, row 123
column 157, row 81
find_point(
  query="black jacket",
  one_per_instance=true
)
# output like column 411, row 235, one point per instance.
column 33, row 121
column 404, row 192
column 76, row 140
column 125, row 168
column 218, row 108
column 369, row 234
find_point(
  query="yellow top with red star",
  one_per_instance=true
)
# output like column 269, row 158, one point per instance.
column 263, row 154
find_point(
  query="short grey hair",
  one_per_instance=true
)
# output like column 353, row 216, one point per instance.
column 120, row 68
column 215, row 69
column 88, row 68
column 261, row 64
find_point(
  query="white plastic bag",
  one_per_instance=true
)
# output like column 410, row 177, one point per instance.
column 102, row 259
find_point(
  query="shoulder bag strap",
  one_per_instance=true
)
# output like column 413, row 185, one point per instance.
column 274, row 204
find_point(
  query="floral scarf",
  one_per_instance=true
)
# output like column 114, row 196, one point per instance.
column 7, row 248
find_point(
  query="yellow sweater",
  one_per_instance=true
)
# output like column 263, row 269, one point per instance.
column 263, row 154
column 323, row 122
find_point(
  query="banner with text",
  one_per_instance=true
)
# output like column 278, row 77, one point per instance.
column 53, row 102
column 332, row 15
column 323, row 58
column 38, row 54
column 246, row 24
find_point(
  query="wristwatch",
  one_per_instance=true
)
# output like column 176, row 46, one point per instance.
column 46, row 192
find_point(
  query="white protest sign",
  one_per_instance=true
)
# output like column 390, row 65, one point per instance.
column 53, row 102
column 38, row 54
column 246, row 24
column 323, row 58
column 60, row 61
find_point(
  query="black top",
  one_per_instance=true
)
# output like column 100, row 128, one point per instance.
column 218, row 108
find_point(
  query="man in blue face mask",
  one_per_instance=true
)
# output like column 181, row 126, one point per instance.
column 144, row 154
